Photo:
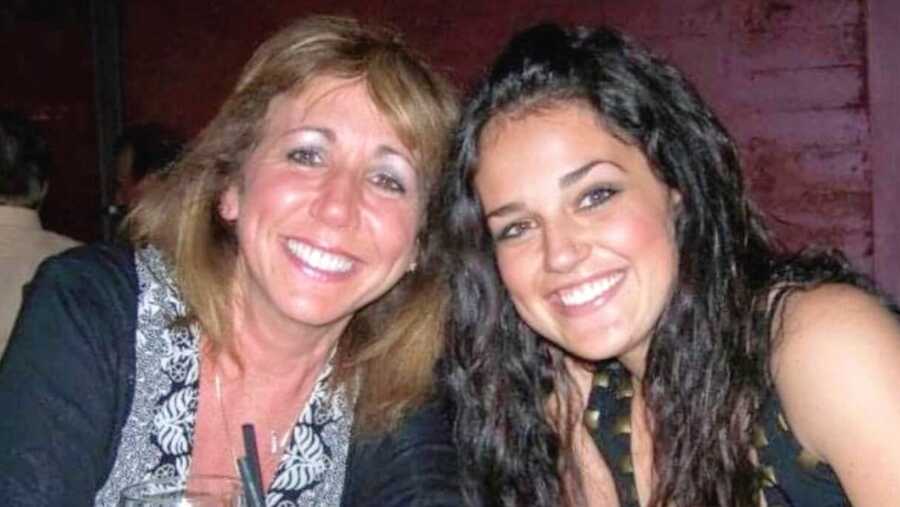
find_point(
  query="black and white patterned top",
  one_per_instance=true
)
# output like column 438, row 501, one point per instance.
column 83, row 399
column 157, row 439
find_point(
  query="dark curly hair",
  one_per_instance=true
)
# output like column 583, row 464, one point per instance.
column 707, row 366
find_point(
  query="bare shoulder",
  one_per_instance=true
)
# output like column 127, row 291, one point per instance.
column 839, row 315
column 835, row 340
column 836, row 365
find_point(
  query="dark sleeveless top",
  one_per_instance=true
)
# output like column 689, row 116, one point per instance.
column 790, row 476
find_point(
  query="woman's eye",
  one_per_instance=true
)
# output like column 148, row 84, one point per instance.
column 389, row 183
column 511, row 231
column 307, row 156
column 595, row 197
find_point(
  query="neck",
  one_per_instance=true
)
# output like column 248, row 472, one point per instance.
column 635, row 360
column 268, row 344
column 259, row 383
column 263, row 354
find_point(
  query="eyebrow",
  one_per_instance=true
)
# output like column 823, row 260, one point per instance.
column 565, row 180
column 572, row 177
column 324, row 132
column 389, row 151
column 332, row 137
column 504, row 210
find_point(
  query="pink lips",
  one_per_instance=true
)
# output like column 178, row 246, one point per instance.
column 317, row 273
column 588, row 295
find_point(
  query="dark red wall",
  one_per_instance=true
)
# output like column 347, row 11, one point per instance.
column 884, row 149
column 47, row 74
column 789, row 77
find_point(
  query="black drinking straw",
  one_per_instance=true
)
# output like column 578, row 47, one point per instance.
column 252, row 494
column 250, row 451
column 249, row 467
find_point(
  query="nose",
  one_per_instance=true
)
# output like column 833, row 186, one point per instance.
column 337, row 202
column 564, row 249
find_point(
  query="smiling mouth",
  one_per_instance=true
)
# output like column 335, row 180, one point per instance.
column 319, row 259
column 589, row 291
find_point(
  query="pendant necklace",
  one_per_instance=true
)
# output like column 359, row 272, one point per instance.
column 218, row 385
column 276, row 445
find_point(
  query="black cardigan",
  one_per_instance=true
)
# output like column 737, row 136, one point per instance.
column 67, row 380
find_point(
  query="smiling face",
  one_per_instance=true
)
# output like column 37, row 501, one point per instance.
column 583, row 230
column 327, row 209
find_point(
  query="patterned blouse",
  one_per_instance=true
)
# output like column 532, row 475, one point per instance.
column 157, row 439
column 100, row 392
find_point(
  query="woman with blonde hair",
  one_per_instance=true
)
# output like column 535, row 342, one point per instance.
column 282, row 277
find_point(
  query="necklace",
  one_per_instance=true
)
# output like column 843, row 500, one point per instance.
column 276, row 445
column 218, row 385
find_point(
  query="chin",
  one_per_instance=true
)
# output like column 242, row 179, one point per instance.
column 597, row 346
column 314, row 316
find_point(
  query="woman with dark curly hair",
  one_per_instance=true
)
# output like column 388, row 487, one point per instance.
column 607, row 267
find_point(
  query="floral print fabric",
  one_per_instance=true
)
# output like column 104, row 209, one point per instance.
column 157, row 439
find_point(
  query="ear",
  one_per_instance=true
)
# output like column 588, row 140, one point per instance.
column 230, row 204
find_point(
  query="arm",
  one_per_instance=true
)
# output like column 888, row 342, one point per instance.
column 837, row 372
column 415, row 465
column 59, row 384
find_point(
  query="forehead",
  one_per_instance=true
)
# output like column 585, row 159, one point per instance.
column 542, row 134
column 539, row 146
column 323, row 97
column 340, row 103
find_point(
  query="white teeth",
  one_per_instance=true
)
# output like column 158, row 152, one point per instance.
column 588, row 291
column 319, row 259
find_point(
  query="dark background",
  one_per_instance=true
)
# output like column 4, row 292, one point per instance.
column 807, row 87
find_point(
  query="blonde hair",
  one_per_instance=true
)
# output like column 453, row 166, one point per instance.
column 393, row 343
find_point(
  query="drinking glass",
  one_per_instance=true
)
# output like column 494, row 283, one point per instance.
column 197, row 491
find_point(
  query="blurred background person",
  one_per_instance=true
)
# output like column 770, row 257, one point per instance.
column 25, row 165
column 141, row 153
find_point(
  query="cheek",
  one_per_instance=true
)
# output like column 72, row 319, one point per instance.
column 516, row 284
column 638, row 230
column 515, row 273
column 271, row 195
column 648, row 241
column 394, row 227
